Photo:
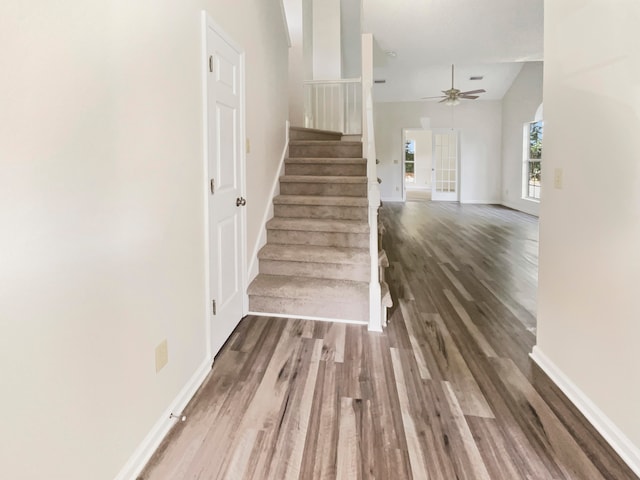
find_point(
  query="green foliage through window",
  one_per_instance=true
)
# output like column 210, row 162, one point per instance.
column 534, row 161
column 535, row 140
column 409, row 161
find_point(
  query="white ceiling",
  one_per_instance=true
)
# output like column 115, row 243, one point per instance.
column 489, row 37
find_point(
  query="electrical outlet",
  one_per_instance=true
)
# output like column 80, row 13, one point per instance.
column 162, row 355
column 397, row 189
column 395, row 162
column 557, row 178
column 248, row 146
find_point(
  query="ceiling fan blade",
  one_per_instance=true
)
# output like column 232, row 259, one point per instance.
column 471, row 92
column 433, row 98
column 469, row 97
column 443, row 100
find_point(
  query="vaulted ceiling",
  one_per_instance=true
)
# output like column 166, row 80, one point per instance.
column 489, row 38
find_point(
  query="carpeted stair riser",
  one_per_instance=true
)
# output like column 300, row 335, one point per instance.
column 327, row 189
column 321, row 211
column 313, row 297
column 338, row 271
column 311, row 134
column 317, row 149
column 354, row 311
column 335, row 169
column 325, row 239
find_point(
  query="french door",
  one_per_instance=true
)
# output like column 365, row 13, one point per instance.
column 445, row 182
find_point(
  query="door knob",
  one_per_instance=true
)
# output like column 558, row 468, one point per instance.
column 240, row 201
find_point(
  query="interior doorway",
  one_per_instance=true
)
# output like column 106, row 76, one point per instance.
column 417, row 164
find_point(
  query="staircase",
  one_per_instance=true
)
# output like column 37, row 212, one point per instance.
column 316, row 262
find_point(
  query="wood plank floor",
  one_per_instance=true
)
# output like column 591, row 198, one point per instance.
column 446, row 392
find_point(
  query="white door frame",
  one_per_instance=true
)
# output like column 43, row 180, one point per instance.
column 402, row 165
column 208, row 22
column 458, row 161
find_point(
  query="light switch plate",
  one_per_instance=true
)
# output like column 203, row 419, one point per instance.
column 557, row 178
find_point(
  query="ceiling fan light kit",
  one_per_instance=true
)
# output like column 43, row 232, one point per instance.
column 452, row 96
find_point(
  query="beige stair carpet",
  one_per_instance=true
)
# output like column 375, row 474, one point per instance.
column 316, row 261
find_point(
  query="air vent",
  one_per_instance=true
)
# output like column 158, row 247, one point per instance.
column 478, row 77
column 379, row 81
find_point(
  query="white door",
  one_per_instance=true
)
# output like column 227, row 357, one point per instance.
column 225, row 162
column 445, row 183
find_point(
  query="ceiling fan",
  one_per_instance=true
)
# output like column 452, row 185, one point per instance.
column 452, row 96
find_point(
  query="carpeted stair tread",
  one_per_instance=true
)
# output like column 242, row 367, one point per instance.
column 322, row 179
column 315, row 130
column 315, row 254
column 302, row 133
column 383, row 260
column 385, row 295
column 318, row 225
column 321, row 200
column 326, row 161
column 308, row 288
column 327, row 143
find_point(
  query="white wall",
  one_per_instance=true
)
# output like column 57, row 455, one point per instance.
column 307, row 38
column 588, row 309
column 351, row 38
column 102, row 214
column 327, row 53
column 294, row 14
column 480, row 128
column 519, row 106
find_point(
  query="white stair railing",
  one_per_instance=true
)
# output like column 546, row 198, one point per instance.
column 334, row 105
column 377, row 312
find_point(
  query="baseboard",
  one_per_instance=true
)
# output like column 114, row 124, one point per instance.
column 268, row 213
column 305, row 317
column 146, row 449
column 520, row 208
column 480, row 202
column 628, row 452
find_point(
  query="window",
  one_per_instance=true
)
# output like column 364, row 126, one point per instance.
column 533, row 160
column 409, row 161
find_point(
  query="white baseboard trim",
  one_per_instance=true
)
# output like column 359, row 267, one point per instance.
column 268, row 213
column 480, row 202
column 304, row 317
column 629, row 453
column 521, row 208
column 148, row 446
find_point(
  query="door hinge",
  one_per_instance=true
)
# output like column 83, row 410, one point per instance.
column 212, row 185
column 213, row 307
column 211, row 63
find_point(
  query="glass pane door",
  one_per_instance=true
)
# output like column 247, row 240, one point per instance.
column 445, row 166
